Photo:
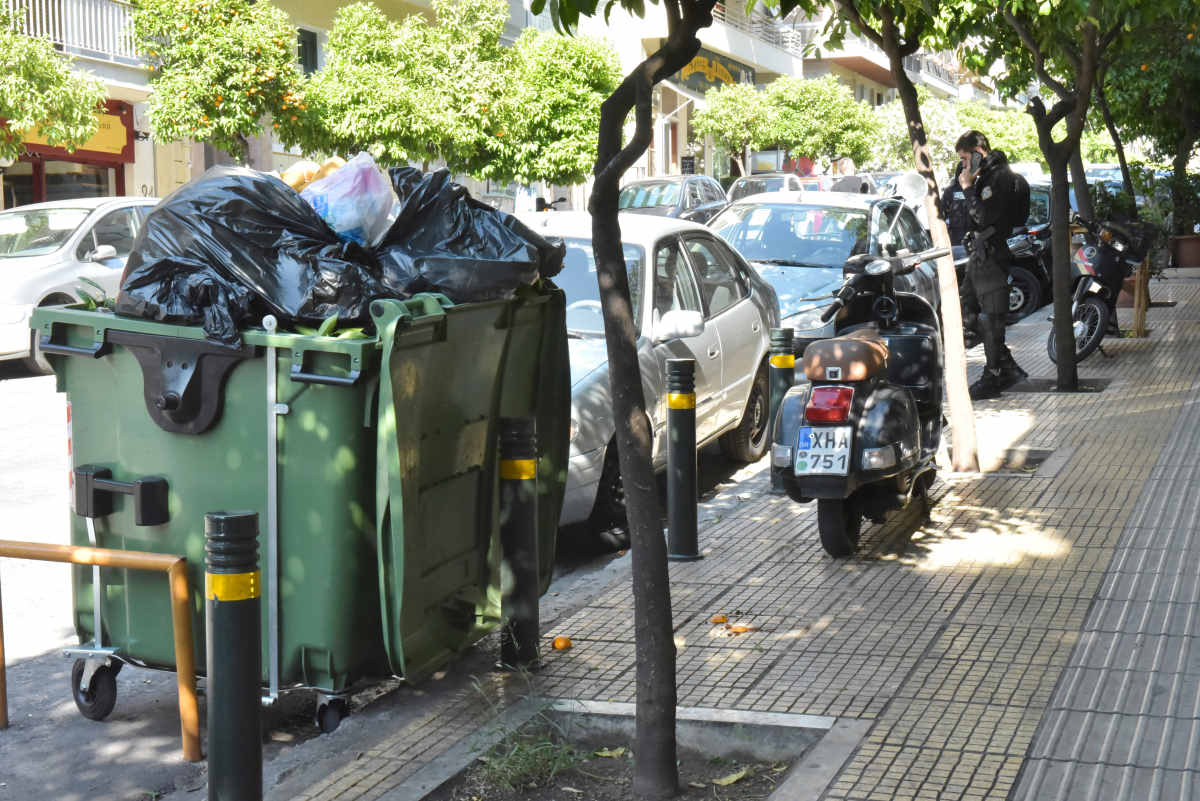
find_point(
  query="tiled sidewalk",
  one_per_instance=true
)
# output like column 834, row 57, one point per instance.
column 950, row 635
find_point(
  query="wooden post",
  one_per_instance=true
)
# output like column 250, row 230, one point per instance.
column 1141, row 299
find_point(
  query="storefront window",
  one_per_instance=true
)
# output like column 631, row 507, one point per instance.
column 67, row 181
column 18, row 184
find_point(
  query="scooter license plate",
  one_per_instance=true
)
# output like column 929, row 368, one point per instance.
column 823, row 451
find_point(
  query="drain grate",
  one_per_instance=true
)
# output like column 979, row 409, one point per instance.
column 1030, row 385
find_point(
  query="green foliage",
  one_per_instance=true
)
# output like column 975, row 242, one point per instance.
column 219, row 68
column 1009, row 130
column 892, row 146
column 39, row 91
column 1155, row 81
column 549, row 109
column 1111, row 205
column 819, row 118
column 737, row 116
column 414, row 91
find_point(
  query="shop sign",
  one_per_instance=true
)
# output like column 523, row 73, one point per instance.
column 112, row 142
column 709, row 70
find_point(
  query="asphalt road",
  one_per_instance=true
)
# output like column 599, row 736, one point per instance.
column 50, row 750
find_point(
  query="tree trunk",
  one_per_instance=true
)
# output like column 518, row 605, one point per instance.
column 1126, row 178
column 656, row 773
column 1060, row 243
column 962, row 413
column 1083, row 199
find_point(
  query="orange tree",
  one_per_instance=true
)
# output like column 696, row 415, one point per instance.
column 220, row 68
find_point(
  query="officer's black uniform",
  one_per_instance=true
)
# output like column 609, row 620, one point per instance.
column 956, row 209
column 991, row 205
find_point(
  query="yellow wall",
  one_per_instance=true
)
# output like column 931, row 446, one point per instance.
column 320, row 13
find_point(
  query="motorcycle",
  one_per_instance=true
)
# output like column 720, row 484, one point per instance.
column 861, row 437
column 1107, row 256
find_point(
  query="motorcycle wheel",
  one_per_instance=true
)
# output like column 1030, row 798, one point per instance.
column 1091, row 323
column 1024, row 294
column 839, row 523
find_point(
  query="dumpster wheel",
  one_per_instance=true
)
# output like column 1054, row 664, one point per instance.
column 331, row 713
column 101, row 696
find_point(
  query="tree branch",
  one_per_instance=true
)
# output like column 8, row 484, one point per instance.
column 850, row 10
column 1039, row 60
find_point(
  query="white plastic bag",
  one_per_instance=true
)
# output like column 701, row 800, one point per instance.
column 354, row 200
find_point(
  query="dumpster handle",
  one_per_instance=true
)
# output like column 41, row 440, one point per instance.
column 95, row 351
column 300, row 377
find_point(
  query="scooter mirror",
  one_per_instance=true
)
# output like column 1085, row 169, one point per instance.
column 679, row 324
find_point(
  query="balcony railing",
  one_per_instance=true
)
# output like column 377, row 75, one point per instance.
column 95, row 28
column 795, row 37
column 920, row 63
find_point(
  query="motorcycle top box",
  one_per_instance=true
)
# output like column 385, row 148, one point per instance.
column 861, row 437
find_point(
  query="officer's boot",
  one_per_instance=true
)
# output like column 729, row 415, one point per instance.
column 988, row 386
column 1011, row 373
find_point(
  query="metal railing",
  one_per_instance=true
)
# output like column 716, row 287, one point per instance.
column 87, row 27
column 794, row 37
column 921, row 63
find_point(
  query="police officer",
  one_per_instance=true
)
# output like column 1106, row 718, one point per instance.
column 956, row 209
column 991, row 195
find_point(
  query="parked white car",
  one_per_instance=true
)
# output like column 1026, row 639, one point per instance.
column 45, row 248
column 693, row 297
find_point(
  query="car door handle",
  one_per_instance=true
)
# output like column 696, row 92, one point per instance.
column 713, row 350
column 755, row 327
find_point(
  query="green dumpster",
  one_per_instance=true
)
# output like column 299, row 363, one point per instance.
column 379, row 512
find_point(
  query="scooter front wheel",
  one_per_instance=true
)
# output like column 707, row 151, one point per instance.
column 839, row 524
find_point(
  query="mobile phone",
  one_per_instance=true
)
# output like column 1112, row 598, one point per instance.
column 976, row 157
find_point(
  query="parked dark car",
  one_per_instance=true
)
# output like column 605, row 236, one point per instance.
column 696, row 198
column 760, row 183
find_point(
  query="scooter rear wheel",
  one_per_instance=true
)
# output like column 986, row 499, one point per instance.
column 1090, row 321
column 839, row 524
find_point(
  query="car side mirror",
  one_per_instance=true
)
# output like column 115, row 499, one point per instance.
column 103, row 253
column 679, row 324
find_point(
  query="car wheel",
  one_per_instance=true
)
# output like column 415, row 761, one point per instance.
column 748, row 442
column 1024, row 294
column 607, row 527
column 36, row 362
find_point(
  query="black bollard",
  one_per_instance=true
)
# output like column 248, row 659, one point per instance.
column 682, row 538
column 519, row 543
column 782, row 376
column 234, row 632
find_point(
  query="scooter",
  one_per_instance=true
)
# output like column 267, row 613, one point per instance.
column 1107, row 256
column 861, row 437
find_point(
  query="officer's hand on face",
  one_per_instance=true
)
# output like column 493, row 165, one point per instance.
column 965, row 176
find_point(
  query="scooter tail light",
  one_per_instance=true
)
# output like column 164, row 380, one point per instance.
column 829, row 404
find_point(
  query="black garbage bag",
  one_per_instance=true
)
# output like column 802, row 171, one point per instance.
column 185, row 292
column 234, row 228
column 443, row 240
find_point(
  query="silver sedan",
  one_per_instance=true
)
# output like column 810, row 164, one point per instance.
column 693, row 298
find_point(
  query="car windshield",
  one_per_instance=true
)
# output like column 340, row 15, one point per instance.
column 34, row 233
column 644, row 196
column 744, row 187
column 578, row 280
column 794, row 234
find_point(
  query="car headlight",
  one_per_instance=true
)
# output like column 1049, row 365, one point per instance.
column 807, row 320
column 574, row 430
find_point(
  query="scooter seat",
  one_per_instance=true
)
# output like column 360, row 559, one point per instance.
column 856, row 356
